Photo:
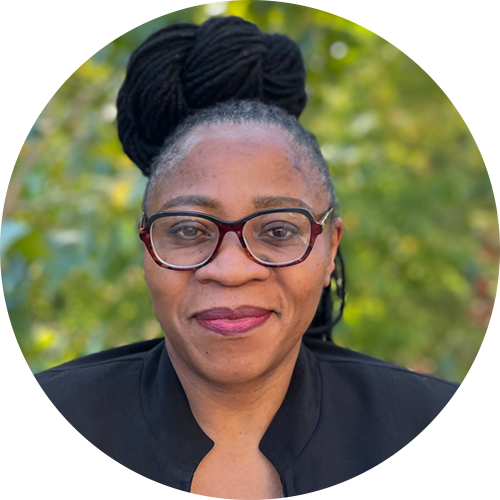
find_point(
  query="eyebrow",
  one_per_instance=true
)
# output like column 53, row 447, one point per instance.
column 191, row 201
column 259, row 202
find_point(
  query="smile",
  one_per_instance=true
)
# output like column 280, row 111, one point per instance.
column 230, row 322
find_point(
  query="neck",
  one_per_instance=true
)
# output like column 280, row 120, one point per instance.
column 237, row 415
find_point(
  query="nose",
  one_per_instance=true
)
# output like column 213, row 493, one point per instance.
column 231, row 266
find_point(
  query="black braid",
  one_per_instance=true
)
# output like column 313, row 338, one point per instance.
column 323, row 321
column 224, row 71
column 185, row 67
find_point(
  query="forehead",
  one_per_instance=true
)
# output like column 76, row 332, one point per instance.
column 235, row 165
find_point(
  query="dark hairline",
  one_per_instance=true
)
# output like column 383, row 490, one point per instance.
column 241, row 113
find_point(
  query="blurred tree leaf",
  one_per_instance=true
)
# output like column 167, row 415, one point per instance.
column 421, row 240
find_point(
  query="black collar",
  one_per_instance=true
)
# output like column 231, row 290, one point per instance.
column 184, row 444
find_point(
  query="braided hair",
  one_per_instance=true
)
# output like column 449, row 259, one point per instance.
column 223, row 71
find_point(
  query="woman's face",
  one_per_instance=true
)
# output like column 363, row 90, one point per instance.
column 233, row 171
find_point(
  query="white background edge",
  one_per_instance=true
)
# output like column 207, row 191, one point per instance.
column 44, row 43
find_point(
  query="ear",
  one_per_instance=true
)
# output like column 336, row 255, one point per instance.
column 336, row 231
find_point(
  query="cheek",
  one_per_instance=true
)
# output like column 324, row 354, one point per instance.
column 303, row 288
column 152, row 274
column 165, row 287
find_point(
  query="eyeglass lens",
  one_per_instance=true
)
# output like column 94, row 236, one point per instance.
column 276, row 238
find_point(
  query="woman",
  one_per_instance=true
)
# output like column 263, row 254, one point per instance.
column 240, row 231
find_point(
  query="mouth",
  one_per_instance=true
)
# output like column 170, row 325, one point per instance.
column 232, row 322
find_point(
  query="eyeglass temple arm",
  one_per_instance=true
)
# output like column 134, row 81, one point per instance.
column 325, row 217
column 142, row 222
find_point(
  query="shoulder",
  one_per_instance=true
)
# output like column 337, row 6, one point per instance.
column 332, row 357
column 127, row 353
column 96, row 379
column 381, row 385
column 124, row 356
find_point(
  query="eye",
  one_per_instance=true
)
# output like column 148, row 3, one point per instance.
column 189, row 231
column 281, row 231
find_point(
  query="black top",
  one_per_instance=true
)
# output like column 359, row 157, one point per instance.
column 344, row 413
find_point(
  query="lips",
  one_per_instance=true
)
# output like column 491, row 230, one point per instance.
column 230, row 322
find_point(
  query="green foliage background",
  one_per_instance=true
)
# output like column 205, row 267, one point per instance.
column 421, row 242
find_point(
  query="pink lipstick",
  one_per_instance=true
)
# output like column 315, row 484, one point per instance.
column 228, row 322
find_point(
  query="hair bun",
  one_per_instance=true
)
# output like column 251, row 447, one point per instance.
column 184, row 67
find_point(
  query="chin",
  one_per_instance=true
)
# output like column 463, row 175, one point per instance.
column 235, row 372
column 241, row 364
column 232, row 359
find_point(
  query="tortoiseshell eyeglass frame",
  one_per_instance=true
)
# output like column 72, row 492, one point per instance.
column 226, row 227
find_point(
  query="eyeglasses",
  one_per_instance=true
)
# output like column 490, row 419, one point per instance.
column 184, row 241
